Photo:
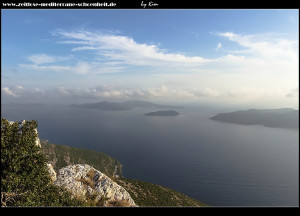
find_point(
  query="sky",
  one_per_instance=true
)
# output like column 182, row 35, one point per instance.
column 224, row 57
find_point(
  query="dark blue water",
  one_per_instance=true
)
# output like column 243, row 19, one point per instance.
column 217, row 163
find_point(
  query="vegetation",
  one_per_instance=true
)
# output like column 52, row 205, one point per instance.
column 24, row 176
column 143, row 193
column 60, row 156
column 148, row 194
column 25, row 179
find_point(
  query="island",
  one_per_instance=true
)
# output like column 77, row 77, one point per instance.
column 163, row 113
column 104, row 105
column 127, row 105
column 146, row 104
column 278, row 118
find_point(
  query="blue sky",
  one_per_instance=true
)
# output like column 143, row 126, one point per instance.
column 207, row 56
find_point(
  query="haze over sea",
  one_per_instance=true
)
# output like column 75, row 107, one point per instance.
column 218, row 163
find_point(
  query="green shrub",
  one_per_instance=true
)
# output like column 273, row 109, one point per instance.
column 25, row 180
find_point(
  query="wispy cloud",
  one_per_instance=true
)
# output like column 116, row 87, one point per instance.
column 43, row 58
column 294, row 93
column 55, row 68
column 239, row 95
column 264, row 46
column 218, row 47
column 125, row 50
column 10, row 92
column 80, row 67
column 47, row 62
column 19, row 91
column 260, row 66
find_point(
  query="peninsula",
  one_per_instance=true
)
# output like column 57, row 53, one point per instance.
column 279, row 118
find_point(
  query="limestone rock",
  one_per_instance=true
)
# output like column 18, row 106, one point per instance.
column 52, row 172
column 82, row 180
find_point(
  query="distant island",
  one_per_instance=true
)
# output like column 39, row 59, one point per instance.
column 163, row 113
column 279, row 118
column 127, row 105
column 146, row 104
column 25, row 104
column 104, row 105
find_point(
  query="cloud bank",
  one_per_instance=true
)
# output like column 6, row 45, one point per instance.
column 259, row 66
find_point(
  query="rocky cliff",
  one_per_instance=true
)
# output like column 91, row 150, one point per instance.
column 82, row 180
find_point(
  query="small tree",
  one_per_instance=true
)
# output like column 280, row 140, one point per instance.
column 25, row 180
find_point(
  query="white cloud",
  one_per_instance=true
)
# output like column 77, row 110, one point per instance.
column 115, row 53
column 56, row 68
column 82, row 67
column 163, row 93
column 218, row 47
column 63, row 91
column 294, row 93
column 111, row 54
column 9, row 92
column 260, row 66
column 264, row 46
column 42, row 58
column 20, row 92
column 122, row 93
column 126, row 50
column 39, row 91
column 19, row 87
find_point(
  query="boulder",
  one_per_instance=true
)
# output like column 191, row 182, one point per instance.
column 83, row 180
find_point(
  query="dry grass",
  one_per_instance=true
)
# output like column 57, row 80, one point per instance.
column 118, row 203
column 89, row 180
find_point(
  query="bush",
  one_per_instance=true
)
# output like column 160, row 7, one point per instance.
column 25, row 180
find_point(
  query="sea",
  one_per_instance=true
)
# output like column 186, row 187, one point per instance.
column 220, row 164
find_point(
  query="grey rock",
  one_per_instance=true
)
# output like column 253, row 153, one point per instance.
column 82, row 180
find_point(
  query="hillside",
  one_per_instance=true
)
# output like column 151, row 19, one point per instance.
column 148, row 194
column 279, row 118
column 143, row 193
column 60, row 156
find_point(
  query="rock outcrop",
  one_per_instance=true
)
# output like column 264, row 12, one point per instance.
column 83, row 180
column 52, row 172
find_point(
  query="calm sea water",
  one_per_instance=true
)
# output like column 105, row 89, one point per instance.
column 217, row 163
